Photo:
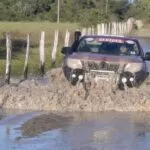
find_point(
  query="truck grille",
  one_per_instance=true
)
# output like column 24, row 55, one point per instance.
column 103, row 75
column 89, row 65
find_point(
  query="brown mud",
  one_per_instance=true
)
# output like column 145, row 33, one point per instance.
column 43, row 123
column 50, row 121
column 54, row 93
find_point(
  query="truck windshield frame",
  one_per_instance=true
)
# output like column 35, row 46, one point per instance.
column 108, row 46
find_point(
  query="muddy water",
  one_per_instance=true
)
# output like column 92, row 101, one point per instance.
column 9, row 122
column 84, row 131
column 88, row 131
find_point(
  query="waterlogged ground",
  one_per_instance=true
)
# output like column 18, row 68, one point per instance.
column 53, row 92
column 78, row 131
column 91, row 129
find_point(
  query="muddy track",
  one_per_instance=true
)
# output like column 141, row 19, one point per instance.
column 56, row 94
column 44, row 123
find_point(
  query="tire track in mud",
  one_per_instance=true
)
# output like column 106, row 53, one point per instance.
column 56, row 94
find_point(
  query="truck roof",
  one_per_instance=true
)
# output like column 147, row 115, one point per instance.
column 110, row 36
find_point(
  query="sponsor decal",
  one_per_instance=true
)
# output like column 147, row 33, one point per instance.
column 110, row 40
column 100, row 40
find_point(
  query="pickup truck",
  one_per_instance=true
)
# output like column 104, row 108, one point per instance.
column 110, row 58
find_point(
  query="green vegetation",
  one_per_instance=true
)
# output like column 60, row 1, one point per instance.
column 19, row 31
column 21, row 17
column 140, row 10
column 83, row 11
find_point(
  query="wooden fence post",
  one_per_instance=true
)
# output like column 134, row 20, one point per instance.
column 109, row 30
column 103, row 29
column 67, row 38
column 27, row 58
column 8, row 58
column 112, row 28
column 93, row 31
column 119, row 28
column 54, row 51
column 115, row 28
column 129, row 26
column 89, row 31
column 98, row 29
column 125, row 28
column 42, row 52
column 83, row 32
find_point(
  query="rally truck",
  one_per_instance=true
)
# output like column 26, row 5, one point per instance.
column 110, row 58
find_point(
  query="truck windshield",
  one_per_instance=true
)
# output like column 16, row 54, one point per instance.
column 112, row 46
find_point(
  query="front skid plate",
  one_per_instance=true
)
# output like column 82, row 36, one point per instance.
column 102, row 75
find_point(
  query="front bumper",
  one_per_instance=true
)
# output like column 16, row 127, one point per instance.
column 127, row 78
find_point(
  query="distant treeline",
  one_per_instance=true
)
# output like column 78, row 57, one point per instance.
column 83, row 11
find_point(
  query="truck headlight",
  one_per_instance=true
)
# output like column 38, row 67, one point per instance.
column 133, row 67
column 74, row 63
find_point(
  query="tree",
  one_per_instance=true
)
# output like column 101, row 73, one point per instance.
column 83, row 11
column 140, row 10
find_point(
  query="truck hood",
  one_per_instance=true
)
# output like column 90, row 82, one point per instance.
column 106, row 58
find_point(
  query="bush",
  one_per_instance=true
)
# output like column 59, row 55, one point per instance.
column 89, row 17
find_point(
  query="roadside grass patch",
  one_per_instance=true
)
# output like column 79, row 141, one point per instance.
column 19, row 31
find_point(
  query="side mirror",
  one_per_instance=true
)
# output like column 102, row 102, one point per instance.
column 147, row 56
column 65, row 50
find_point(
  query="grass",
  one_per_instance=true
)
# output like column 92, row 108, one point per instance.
column 19, row 31
column 143, row 32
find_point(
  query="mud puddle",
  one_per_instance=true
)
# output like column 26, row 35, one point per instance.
column 58, row 95
column 74, row 131
column 9, row 122
column 78, row 131
column 53, row 93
